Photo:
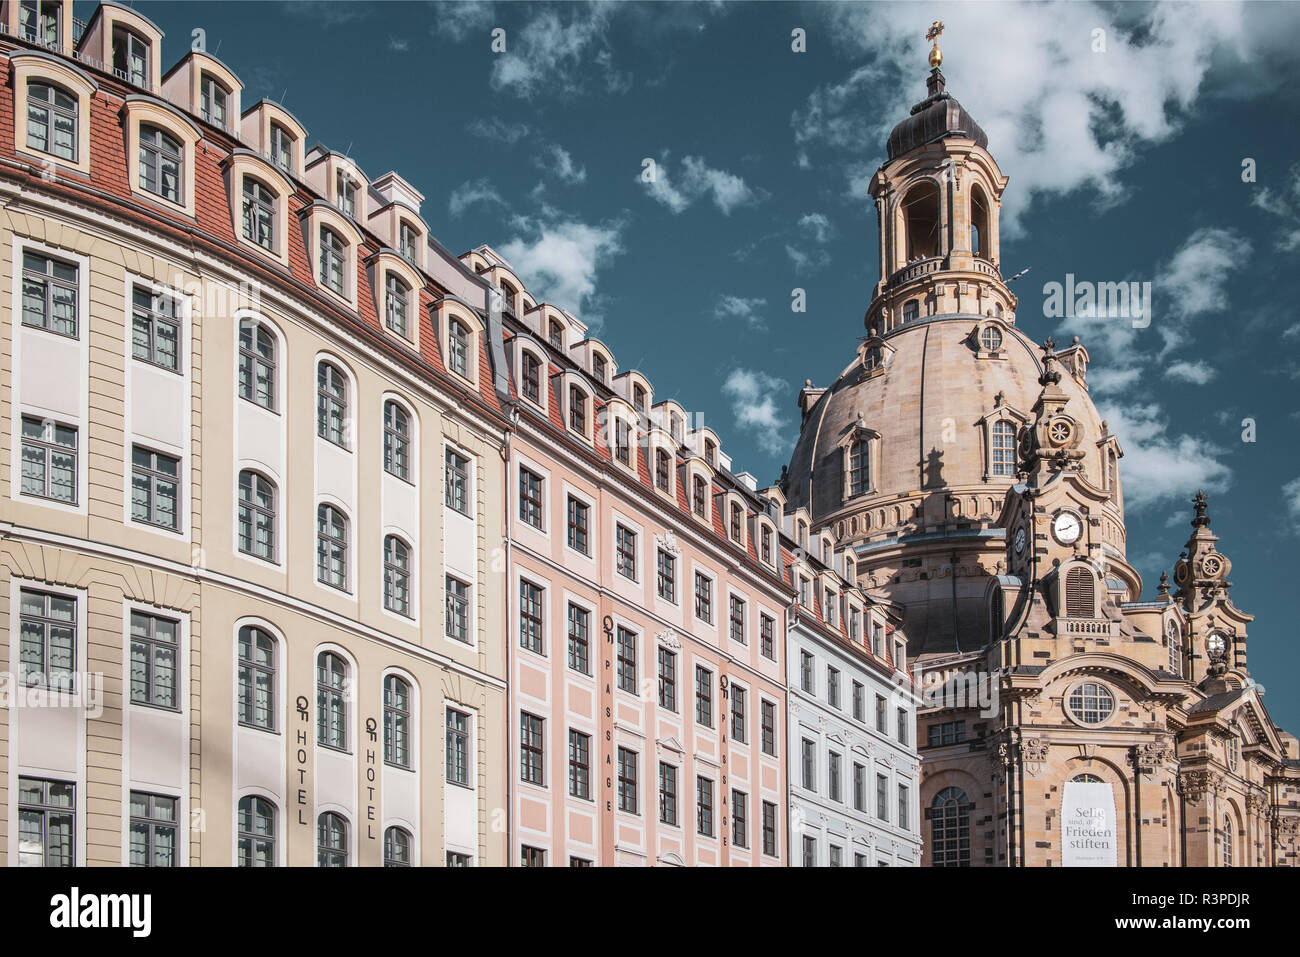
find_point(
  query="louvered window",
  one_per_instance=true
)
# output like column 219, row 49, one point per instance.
column 1079, row 592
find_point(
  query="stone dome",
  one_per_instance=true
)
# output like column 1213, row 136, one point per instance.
column 927, row 413
column 936, row 117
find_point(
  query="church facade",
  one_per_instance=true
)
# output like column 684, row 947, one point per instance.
column 1065, row 720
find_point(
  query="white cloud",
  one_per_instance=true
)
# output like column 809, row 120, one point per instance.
column 1197, row 373
column 1291, row 500
column 549, row 55
column 457, row 19
column 1158, row 467
column 498, row 130
column 399, row 44
column 559, row 260
column 1193, row 281
column 470, row 192
column 746, row 311
column 1285, row 204
column 817, row 225
column 557, row 160
column 754, row 396
column 698, row 180
column 1059, row 116
column 814, row 230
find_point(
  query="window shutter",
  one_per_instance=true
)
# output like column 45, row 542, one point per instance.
column 1079, row 593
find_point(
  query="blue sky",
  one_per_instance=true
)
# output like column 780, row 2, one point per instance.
column 1125, row 164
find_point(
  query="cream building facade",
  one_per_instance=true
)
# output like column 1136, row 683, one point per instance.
column 237, row 376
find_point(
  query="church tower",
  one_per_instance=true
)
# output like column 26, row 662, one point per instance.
column 965, row 468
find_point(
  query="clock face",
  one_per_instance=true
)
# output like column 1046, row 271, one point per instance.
column 1019, row 542
column 1067, row 528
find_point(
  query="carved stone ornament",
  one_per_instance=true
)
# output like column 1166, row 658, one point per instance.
column 669, row 639
column 1033, row 754
column 1151, row 756
column 1257, row 803
column 668, row 542
column 1287, row 827
column 1194, row 785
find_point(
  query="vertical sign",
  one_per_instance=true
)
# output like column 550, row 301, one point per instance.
column 1088, row 830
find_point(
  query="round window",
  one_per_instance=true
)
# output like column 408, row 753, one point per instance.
column 991, row 339
column 1091, row 703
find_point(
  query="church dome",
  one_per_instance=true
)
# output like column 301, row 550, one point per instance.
column 935, row 118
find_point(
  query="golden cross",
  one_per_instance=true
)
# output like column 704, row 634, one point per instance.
column 936, row 28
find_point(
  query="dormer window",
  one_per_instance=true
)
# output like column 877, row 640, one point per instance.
column 599, row 367
column 345, row 192
column 458, row 339
column 622, row 443
column 282, row 148
column 765, row 545
column 161, row 162
column 532, row 378
column 259, row 214
column 859, row 468
column 406, row 241
column 577, row 410
column 991, row 339
column 801, row 534
column 1003, row 446
column 508, row 293
column 557, row 334
column 737, row 523
column 52, row 121
column 675, row 428
column 397, row 299
column 699, row 497
column 333, row 260
column 213, row 101
column 1175, row 642
column 663, row 469
column 130, row 56
column 711, row 452
column 39, row 21
column 638, row 399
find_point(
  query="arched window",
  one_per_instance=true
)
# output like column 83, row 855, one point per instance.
column 577, row 410
column 1091, row 703
column 532, row 378
column 458, row 348
column 331, row 404
column 921, row 216
column 397, row 847
column 950, row 829
column 331, row 547
column 1003, row 447
column 1175, row 642
column 1112, row 474
column 52, row 121
column 997, row 617
column 397, row 722
column 257, row 515
column 1227, row 840
column 979, row 224
column 255, row 841
column 397, row 576
column 397, row 304
column 161, row 162
column 259, row 214
column 859, row 468
column 257, row 363
column 1086, row 778
column 1080, row 592
column 256, row 678
column 331, row 701
column 911, row 310
column 1234, row 752
column 333, row 260
column 331, row 840
column 397, row 441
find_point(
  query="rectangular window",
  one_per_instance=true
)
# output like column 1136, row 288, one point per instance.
column 832, row 686
column 531, row 856
column 579, row 513
column 530, row 498
column 836, row 855
column 625, row 540
column 667, row 794
column 457, row 747
column 860, row 860
column 901, row 730
column 530, row 617
column 626, row 660
column 457, row 609
column 130, row 57
column 152, row 841
column 767, row 722
column 346, row 191
column 282, row 148
column 859, row 788
column 767, row 636
column 667, row 680
column 666, row 578
column 627, row 780
column 903, row 806
column 155, row 488
column 622, row 442
column 455, row 859
column 161, row 164
column 739, row 818
column 457, row 468
column 49, row 294
column 808, row 764
column 738, row 732
column 153, row 660
column 833, row 776
column 859, row 702
column 737, row 619
column 769, row 829
column 703, row 697
column 532, row 749
column 703, row 598
column 579, row 764
column 809, row 851
column 949, row 732
column 49, row 454
column 579, row 639
column 155, row 328
column 882, row 716
column 704, row 806
column 47, row 640
column 212, row 101
column 882, row 797
column 47, row 823
column 580, row 862
column 806, row 678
